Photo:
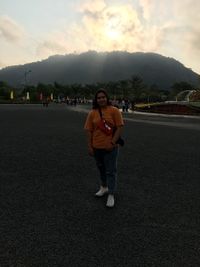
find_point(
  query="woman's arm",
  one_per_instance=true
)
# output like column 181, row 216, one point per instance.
column 116, row 135
column 89, row 142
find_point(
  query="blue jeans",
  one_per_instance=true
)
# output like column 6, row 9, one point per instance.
column 106, row 162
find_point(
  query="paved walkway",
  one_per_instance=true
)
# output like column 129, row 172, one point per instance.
column 180, row 121
column 49, row 216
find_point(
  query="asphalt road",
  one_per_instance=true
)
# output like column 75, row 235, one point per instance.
column 50, row 217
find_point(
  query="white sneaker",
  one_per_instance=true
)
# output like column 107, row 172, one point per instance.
column 110, row 201
column 102, row 191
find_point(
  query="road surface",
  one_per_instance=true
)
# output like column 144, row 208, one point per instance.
column 50, row 217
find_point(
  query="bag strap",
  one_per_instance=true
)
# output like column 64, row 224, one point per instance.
column 100, row 112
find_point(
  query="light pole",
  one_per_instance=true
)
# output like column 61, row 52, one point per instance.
column 25, row 83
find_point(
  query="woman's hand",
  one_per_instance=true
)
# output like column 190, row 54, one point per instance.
column 110, row 147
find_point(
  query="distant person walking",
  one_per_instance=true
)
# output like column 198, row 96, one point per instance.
column 123, row 105
column 45, row 102
column 126, row 105
column 103, row 126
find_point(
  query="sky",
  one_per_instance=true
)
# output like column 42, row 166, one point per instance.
column 33, row 30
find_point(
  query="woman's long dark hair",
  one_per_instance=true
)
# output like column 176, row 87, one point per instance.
column 95, row 104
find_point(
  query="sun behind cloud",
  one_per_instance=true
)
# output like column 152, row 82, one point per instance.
column 112, row 28
column 121, row 22
column 163, row 27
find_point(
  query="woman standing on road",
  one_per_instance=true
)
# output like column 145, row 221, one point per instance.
column 103, row 126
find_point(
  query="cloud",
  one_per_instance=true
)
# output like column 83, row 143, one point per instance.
column 104, row 27
column 100, row 28
column 184, row 36
column 119, row 27
column 168, row 27
column 177, row 23
column 92, row 6
column 50, row 47
column 10, row 30
column 146, row 8
column 189, row 16
column 2, row 64
column 187, row 11
column 154, row 11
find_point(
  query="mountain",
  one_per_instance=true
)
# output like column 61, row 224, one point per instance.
column 92, row 67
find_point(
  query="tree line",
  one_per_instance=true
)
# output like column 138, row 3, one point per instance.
column 133, row 89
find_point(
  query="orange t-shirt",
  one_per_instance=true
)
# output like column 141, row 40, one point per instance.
column 112, row 115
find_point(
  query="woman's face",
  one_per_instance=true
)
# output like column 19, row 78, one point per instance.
column 101, row 100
